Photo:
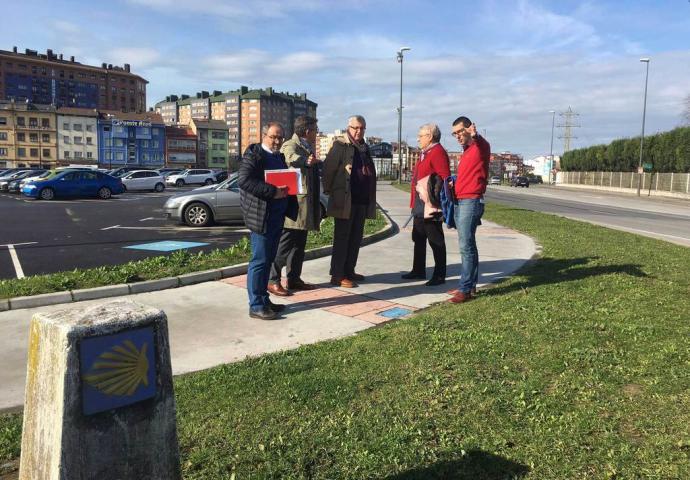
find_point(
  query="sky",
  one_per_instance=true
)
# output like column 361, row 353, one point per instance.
column 503, row 64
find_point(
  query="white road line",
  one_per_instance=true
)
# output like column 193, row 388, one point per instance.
column 147, row 218
column 109, row 228
column 15, row 262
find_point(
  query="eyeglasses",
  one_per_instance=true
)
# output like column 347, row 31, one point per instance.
column 423, row 135
column 275, row 137
column 357, row 129
column 457, row 133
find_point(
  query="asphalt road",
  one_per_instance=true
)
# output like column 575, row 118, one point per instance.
column 663, row 218
column 61, row 235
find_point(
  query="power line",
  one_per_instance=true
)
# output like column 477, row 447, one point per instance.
column 568, row 127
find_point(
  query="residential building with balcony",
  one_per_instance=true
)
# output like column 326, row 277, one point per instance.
column 52, row 80
column 168, row 109
column 28, row 135
column 212, row 143
column 180, row 147
column 132, row 139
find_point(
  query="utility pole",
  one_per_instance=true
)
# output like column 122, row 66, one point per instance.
column 400, row 108
column 553, row 120
column 644, row 114
column 567, row 127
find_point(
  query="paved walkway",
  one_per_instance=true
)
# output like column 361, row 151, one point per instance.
column 209, row 324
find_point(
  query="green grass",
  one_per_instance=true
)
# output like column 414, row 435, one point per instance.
column 177, row 263
column 575, row 368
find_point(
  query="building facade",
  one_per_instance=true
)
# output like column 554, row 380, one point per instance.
column 180, row 147
column 212, row 143
column 227, row 107
column 168, row 110
column 324, row 142
column 77, row 136
column 28, row 135
column 51, row 80
column 130, row 139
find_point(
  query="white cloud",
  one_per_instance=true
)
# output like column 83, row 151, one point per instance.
column 232, row 8
column 138, row 57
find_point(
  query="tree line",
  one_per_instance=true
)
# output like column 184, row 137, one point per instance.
column 667, row 151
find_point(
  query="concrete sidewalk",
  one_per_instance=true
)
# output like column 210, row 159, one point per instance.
column 209, row 323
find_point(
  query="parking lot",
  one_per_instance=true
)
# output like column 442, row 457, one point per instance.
column 39, row 237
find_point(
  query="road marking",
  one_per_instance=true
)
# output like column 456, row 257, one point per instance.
column 147, row 218
column 15, row 258
column 167, row 246
column 183, row 229
column 108, row 228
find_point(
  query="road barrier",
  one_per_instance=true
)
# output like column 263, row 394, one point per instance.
column 657, row 183
column 99, row 396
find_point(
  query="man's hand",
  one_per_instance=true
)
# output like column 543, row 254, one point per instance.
column 281, row 192
column 312, row 160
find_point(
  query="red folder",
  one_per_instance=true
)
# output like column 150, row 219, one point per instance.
column 288, row 177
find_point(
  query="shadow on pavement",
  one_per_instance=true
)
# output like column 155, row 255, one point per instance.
column 476, row 465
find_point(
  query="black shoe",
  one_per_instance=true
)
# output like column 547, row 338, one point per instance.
column 435, row 281
column 264, row 313
column 413, row 276
column 276, row 307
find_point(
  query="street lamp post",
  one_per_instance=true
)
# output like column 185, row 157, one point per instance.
column 644, row 113
column 553, row 122
column 400, row 107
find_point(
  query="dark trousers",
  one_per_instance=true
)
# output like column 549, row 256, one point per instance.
column 290, row 254
column 347, row 238
column 264, row 247
column 431, row 230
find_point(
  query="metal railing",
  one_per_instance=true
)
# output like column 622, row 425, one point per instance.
column 655, row 182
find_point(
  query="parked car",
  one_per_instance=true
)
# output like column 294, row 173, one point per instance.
column 535, row 179
column 6, row 179
column 201, row 176
column 74, row 183
column 143, row 180
column 14, row 186
column 495, row 180
column 212, row 203
column 169, row 171
column 220, row 176
column 519, row 182
column 118, row 172
column 9, row 171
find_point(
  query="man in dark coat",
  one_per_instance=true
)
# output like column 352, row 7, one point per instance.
column 299, row 153
column 349, row 179
column 264, row 207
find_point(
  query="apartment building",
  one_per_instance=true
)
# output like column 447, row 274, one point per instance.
column 212, row 143
column 180, row 147
column 133, row 139
column 51, row 79
column 77, row 136
column 28, row 136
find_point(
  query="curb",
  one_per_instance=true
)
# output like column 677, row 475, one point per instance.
column 70, row 296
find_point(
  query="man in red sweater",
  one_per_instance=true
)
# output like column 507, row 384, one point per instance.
column 469, row 188
column 428, row 226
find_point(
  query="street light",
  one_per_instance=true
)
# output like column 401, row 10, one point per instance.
column 644, row 113
column 553, row 121
column 400, row 61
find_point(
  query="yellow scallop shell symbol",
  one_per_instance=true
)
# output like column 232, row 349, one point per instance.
column 120, row 370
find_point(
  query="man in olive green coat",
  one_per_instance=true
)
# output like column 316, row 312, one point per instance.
column 349, row 179
column 299, row 153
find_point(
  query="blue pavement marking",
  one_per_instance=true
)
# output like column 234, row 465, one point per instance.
column 395, row 312
column 166, row 246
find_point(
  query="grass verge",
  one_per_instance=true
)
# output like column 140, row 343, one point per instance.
column 177, row 263
column 575, row 368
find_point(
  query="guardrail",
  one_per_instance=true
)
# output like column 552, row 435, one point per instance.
column 659, row 183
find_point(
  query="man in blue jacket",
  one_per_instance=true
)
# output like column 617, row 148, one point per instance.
column 264, row 207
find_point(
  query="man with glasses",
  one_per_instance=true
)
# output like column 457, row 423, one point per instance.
column 349, row 179
column 264, row 208
column 469, row 188
column 426, row 225
column 299, row 153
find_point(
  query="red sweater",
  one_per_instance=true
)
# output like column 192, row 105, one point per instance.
column 473, row 170
column 435, row 160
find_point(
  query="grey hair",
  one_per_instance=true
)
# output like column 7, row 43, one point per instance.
column 264, row 129
column 433, row 129
column 358, row 118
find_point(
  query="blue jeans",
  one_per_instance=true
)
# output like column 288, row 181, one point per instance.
column 468, row 215
column 264, row 248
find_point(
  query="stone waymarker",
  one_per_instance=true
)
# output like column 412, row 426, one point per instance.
column 99, row 396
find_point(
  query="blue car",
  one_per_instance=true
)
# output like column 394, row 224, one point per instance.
column 74, row 183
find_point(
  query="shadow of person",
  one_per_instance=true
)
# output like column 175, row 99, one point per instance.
column 475, row 465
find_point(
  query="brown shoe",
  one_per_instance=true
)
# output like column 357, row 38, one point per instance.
column 455, row 291
column 460, row 298
column 356, row 277
column 343, row 282
column 277, row 289
column 300, row 285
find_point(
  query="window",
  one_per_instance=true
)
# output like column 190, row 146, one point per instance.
column 89, row 141
column 89, row 128
column 3, row 135
column 119, row 155
column 65, row 139
column 20, row 121
column 21, row 152
column 3, row 152
column 118, row 142
column 33, row 137
column 46, row 153
column 65, row 126
column 45, row 137
column 77, row 127
column 108, row 155
column 45, row 122
column 77, row 154
column 89, row 155
column 33, row 122
column 33, row 152
column 21, row 137
column 145, row 143
column 77, row 140
column 3, row 120
column 66, row 153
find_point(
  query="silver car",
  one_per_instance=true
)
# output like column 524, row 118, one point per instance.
column 213, row 203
